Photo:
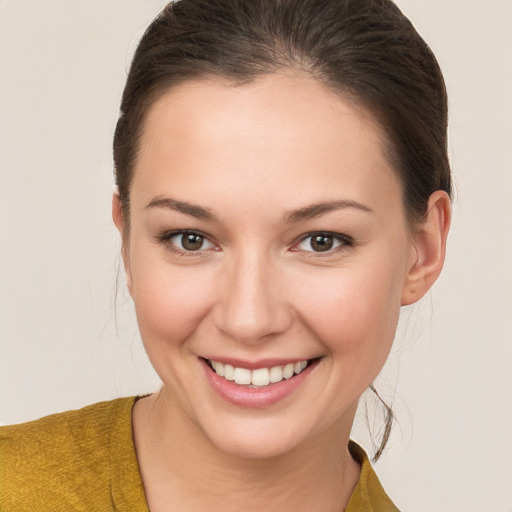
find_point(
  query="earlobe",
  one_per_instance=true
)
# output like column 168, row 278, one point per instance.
column 429, row 249
column 118, row 218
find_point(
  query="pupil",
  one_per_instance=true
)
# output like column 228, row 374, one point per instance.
column 322, row 243
column 192, row 242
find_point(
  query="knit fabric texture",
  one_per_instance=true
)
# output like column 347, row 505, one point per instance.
column 85, row 460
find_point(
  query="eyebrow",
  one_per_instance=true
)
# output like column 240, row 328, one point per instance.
column 318, row 209
column 305, row 213
column 183, row 207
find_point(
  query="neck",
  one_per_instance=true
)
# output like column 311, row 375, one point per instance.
column 182, row 470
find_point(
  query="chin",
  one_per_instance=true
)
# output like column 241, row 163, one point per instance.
column 255, row 440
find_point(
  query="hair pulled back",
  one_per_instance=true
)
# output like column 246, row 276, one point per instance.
column 365, row 50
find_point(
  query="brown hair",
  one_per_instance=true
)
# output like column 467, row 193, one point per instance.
column 365, row 50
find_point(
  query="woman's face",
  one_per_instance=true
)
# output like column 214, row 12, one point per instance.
column 266, row 229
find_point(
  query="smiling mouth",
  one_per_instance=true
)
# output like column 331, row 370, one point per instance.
column 260, row 377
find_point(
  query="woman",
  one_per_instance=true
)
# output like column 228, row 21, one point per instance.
column 283, row 189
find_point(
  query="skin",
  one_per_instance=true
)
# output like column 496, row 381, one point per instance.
column 257, row 289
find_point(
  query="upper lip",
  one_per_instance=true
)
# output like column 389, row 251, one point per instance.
column 260, row 363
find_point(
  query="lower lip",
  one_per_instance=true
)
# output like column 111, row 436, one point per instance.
column 257, row 398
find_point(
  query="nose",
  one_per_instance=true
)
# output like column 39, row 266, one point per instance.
column 253, row 306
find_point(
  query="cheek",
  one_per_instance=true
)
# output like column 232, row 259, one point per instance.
column 170, row 302
column 354, row 311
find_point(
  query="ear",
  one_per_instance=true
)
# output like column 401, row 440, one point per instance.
column 118, row 217
column 429, row 249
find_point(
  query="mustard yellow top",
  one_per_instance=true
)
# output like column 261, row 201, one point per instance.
column 85, row 460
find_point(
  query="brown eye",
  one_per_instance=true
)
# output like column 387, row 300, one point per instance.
column 321, row 243
column 191, row 241
column 324, row 242
column 186, row 242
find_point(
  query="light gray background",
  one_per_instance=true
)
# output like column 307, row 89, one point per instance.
column 62, row 69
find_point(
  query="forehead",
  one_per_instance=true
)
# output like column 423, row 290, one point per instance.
column 279, row 136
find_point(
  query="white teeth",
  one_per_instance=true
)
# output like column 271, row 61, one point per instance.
column 260, row 377
column 229, row 372
column 276, row 374
column 288, row 371
column 219, row 369
column 242, row 376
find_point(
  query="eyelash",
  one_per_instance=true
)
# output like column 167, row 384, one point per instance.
column 165, row 239
column 344, row 243
column 343, row 240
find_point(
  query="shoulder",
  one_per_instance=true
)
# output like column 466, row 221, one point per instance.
column 368, row 495
column 64, row 459
column 62, row 438
column 80, row 426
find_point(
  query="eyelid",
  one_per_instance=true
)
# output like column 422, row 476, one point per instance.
column 165, row 239
column 345, row 241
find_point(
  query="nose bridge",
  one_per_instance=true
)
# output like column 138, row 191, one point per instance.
column 253, row 304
